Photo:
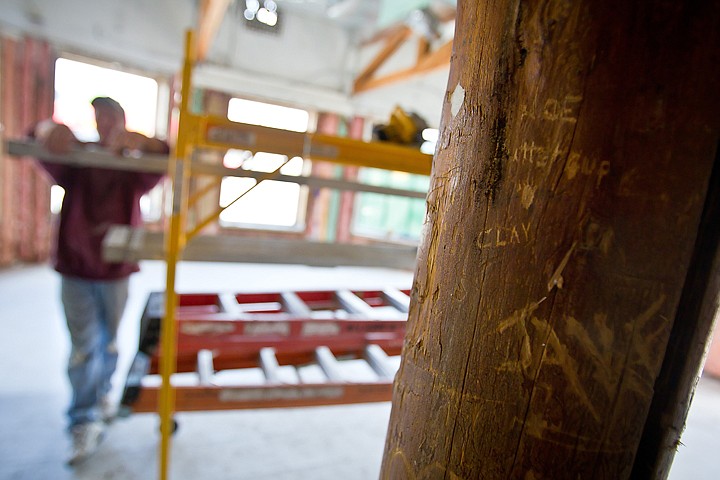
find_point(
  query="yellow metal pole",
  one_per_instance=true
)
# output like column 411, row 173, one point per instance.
column 174, row 243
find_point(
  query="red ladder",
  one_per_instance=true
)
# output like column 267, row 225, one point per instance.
column 268, row 350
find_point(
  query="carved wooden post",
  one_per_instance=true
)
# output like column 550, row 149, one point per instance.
column 576, row 150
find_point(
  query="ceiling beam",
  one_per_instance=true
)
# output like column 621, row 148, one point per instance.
column 392, row 43
column 210, row 18
column 426, row 63
column 427, row 59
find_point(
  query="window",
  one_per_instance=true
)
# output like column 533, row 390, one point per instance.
column 271, row 204
column 77, row 83
column 390, row 217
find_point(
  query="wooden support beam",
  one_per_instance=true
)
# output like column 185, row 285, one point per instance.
column 394, row 37
column 684, row 355
column 221, row 133
column 427, row 63
column 210, row 17
column 392, row 44
column 568, row 273
column 123, row 243
column 423, row 49
column 159, row 164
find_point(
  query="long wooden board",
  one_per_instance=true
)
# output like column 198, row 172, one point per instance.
column 159, row 164
column 123, row 243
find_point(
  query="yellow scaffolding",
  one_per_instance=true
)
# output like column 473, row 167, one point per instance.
column 203, row 131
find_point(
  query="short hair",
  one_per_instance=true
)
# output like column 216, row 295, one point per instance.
column 109, row 103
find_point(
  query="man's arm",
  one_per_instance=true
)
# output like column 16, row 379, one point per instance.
column 126, row 140
column 58, row 139
column 55, row 137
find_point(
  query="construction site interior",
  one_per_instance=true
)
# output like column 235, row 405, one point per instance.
column 278, row 253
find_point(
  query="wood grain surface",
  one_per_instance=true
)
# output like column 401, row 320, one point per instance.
column 576, row 148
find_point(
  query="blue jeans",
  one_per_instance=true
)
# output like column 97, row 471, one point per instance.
column 93, row 310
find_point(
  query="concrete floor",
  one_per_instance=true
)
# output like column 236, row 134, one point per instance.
column 307, row 443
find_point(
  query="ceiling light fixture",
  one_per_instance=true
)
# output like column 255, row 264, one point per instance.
column 267, row 17
column 261, row 15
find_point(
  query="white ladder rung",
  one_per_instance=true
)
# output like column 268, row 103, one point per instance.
column 397, row 299
column 354, row 304
column 328, row 363
column 294, row 304
column 229, row 304
column 205, row 367
column 378, row 360
column 269, row 365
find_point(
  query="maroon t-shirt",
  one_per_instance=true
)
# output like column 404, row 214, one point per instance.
column 95, row 199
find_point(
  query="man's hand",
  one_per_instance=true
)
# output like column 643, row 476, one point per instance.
column 124, row 140
column 55, row 138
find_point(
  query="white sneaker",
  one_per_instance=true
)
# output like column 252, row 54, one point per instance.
column 86, row 438
column 108, row 409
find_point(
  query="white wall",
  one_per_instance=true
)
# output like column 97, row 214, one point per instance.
column 311, row 63
column 136, row 33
